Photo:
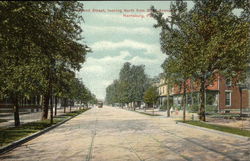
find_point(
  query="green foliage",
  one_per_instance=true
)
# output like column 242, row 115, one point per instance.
column 75, row 113
column 220, row 128
column 130, row 86
column 211, row 109
column 194, row 108
column 3, row 120
column 210, row 98
column 203, row 41
column 79, row 93
column 15, row 133
column 12, row 134
column 40, row 49
column 151, row 95
column 176, row 107
column 163, row 107
column 149, row 114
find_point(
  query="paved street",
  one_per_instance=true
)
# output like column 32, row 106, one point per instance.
column 111, row 134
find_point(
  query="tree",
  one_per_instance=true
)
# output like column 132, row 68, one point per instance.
column 150, row 96
column 20, row 58
column 93, row 99
column 177, row 72
column 63, row 28
column 130, row 86
column 79, row 93
column 215, row 38
column 115, row 93
column 28, row 61
column 125, row 82
column 139, row 83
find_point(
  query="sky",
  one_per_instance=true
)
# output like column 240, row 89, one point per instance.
column 115, row 38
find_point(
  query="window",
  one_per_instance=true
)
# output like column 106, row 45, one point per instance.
column 228, row 98
column 211, row 98
column 179, row 100
column 228, row 82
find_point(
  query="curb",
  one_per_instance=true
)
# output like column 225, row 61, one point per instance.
column 144, row 113
column 17, row 143
column 215, row 131
column 148, row 114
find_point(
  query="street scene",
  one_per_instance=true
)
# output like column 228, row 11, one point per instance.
column 125, row 80
column 111, row 134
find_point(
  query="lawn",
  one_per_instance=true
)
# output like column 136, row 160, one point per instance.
column 3, row 120
column 9, row 135
column 150, row 114
column 220, row 128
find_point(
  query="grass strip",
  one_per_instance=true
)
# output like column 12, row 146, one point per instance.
column 227, row 129
column 149, row 114
column 3, row 120
column 11, row 134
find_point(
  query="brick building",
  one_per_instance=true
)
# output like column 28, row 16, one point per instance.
column 221, row 95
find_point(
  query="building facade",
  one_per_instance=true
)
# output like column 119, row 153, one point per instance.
column 163, row 91
column 220, row 96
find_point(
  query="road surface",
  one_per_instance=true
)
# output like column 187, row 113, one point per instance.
column 111, row 134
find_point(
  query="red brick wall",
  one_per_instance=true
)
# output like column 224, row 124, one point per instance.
column 220, row 84
column 195, row 88
column 235, row 96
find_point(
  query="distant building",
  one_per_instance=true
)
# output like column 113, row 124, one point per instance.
column 163, row 90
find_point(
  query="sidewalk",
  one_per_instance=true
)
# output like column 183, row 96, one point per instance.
column 30, row 117
column 178, row 115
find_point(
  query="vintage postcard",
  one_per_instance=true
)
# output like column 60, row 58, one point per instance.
column 125, row 80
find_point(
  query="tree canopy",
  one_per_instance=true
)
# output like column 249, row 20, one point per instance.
column 130, row 86
column 151, row 95
column 206, row 40
column 40, row 50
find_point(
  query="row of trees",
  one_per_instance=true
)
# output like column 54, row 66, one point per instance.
column 205, row 41
column 130, row 86
column 39, row 51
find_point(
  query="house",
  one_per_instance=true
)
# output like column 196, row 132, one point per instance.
column 220, row 96
column 163, row 90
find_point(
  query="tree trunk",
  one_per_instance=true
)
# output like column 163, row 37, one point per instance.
column 240, row 101
column 202, row 115
column 64, row 105
column 153, row 109
column 16, row 111
column 184, row 101
column 192, row 90
column 168, row 103
column 22, row 102
column 69, row 106
column 51, row 109
column 45, row 107
column 139, row 104
column 55, row 105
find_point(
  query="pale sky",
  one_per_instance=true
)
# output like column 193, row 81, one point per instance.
column 115, row 39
